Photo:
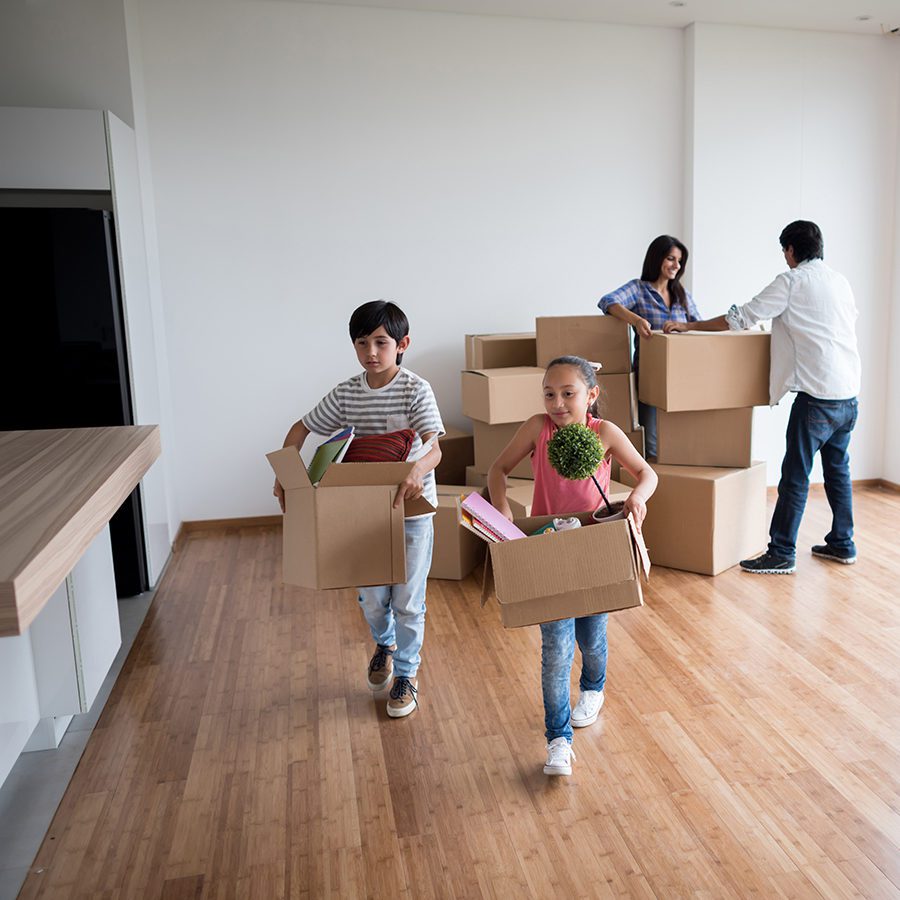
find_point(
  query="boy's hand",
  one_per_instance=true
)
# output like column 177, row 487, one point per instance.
column 411, row 488
column 278, row 491
column 637, row 507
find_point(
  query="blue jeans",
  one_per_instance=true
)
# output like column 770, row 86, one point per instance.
column 396, row 612
column 557, row 653
column 647, row 418
column 823, row 426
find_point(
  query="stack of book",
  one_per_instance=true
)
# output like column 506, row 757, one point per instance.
column 332, row 451
column 476, row 514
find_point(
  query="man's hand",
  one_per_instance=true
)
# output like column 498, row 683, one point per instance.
column 637, row 507
column 644, row 328
column 673, row 327
column 411, row 488
column 278, row 491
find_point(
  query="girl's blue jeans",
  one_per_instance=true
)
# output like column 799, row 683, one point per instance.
column 396, row 612
column 557, row 654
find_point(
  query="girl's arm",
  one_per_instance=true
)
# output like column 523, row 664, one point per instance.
column 631, row 318
column 294, row 438
column 617, row 444
column 516, row 450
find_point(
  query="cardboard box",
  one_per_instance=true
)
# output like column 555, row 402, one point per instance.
column 344, row 532
column 456, row 550
column 500, row 351
column 475, row 478
column 704, row 519
column 544, row 578
column 491, row 441
column 618, row 400
column 637, row 439
column 597, row 338
column 457, row 452
column 496, row 396
column 712, row 437
column 521, row 497
column 705, row 370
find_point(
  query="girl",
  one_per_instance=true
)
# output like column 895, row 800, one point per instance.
column 649, row 302
column 570, row 395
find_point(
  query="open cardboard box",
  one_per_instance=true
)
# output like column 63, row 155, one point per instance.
column 344, row 531
column 546, row 577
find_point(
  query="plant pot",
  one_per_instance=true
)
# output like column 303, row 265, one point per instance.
column 604, row 515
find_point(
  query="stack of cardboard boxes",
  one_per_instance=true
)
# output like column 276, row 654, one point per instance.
column 709, row 510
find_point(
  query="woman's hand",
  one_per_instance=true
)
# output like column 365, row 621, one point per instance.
column 637, row 507
column 672, row 327
column 278, row 491
column 643, row 328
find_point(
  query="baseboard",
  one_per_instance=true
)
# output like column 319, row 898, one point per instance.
column 886, row 485
column 187, row 528
column 881, row 483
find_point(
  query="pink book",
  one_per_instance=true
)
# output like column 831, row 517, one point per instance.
column 493, row 520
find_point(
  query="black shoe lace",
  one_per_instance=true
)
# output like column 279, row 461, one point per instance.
column 401, row 685
column 379, row 660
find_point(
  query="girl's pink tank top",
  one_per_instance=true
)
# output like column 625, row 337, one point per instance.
column 555, row 495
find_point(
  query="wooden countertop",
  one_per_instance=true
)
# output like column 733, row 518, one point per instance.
column 58, row 490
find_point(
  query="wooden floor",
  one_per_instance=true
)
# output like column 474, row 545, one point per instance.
column 749, row 746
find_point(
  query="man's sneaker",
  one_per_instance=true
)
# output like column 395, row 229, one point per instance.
column 587, row 709
column 403, row 697
column 769, row 565
column 380, row 667
column 826, row 552
column 559, row 757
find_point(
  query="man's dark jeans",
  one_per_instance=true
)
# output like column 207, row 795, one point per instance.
column 823, row 426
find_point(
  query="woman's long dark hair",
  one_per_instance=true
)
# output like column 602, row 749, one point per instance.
column 657, row 251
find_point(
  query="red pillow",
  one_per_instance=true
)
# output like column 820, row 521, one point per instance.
column 391, row 447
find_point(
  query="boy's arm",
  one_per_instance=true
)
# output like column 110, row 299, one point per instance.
column 294, row 438
column 618, row 445
column 516, row 450
column 414, row 485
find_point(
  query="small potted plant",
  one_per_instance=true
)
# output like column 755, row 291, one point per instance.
column 575, row 452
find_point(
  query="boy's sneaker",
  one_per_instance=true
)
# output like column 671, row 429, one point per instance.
column 380, row 667
column 769, row 565
column 825, row 552
column 403, row 697
column 587, row 709
column 559, row 757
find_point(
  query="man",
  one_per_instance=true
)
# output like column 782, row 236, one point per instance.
column 814, row 353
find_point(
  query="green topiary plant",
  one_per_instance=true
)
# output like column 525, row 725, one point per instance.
column 575, row 452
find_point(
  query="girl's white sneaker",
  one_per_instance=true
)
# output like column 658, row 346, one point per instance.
column 559, row 757
column 587, row 709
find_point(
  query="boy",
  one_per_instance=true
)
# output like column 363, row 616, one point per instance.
column 383, row 398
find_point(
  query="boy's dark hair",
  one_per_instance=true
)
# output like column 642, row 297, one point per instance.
column 657, row 251
column 588, row 376
column 805, row 238
column 372, row 315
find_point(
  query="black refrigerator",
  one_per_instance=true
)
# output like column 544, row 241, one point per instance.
column 63, row 354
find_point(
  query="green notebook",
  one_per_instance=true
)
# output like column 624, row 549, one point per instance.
column 331, row 451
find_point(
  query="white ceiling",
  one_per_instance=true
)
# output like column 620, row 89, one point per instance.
column 816, row 15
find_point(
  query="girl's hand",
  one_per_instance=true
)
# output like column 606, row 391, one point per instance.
column 504, row 509
column 278, row 491
column 644, row 329
column 671, row 327
column 637, row 507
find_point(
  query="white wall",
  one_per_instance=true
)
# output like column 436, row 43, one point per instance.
column 479, row 171
column 65, row 55
column 789, row 125
column 892, row 324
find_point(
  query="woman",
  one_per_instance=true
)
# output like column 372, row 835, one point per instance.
column 648, row 302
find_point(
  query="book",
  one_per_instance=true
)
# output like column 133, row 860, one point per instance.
column 331, row 451
column 488, row 523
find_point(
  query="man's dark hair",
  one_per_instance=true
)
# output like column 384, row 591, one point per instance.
column 658, row 250
column 805, row 238
column 372, row 315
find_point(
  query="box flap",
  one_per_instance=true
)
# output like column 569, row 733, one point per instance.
column 289, row 468
column 418, row 507
column 487, row 580
column 357, row 474
column 641, row 547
